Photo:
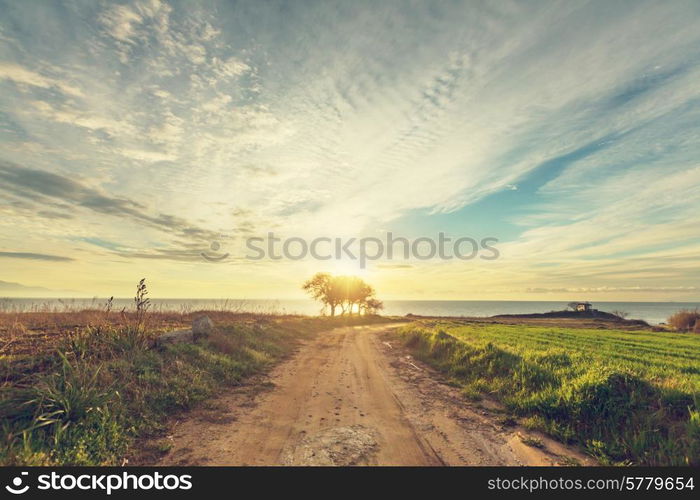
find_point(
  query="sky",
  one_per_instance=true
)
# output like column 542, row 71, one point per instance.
column 136, row 136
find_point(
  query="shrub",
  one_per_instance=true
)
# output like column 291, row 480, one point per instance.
column 620, row 314
column 685, row 320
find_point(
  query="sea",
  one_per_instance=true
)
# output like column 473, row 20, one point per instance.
column 651, row 312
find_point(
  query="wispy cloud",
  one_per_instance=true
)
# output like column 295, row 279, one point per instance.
column 23, row 76
column 34, row 256
column 37, row 184
column 577, row 131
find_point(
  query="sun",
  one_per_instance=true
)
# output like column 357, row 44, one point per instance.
column 346, row 267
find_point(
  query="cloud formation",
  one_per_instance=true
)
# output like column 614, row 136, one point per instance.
column 34, row 256
column 570, row 135
column 38, row 185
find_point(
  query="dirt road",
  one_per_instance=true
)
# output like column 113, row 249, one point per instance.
column 352, row 396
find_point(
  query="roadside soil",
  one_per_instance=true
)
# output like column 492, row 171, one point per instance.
column 354, row 396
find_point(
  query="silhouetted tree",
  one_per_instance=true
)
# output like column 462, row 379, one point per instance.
column 320, row 287
column 373, row 306
column 348, row 292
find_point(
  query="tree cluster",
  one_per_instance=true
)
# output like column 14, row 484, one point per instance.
column 349, row 294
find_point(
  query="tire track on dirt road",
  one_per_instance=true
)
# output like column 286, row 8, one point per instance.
column 350, row 397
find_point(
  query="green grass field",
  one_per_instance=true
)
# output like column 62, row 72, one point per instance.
column 627, row 397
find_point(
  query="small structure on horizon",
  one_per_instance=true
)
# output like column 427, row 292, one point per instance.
column 581, row 306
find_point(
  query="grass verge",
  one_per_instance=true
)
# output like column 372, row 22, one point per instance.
column 86, row 402
column 626, row 397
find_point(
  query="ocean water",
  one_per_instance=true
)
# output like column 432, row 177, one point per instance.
column 652, row 312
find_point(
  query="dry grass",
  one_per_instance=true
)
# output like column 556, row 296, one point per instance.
column 83, row 387
column 29, row 333
column 79, row 386
column 686, row 320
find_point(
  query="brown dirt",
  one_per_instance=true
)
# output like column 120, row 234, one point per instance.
column 352, row 396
